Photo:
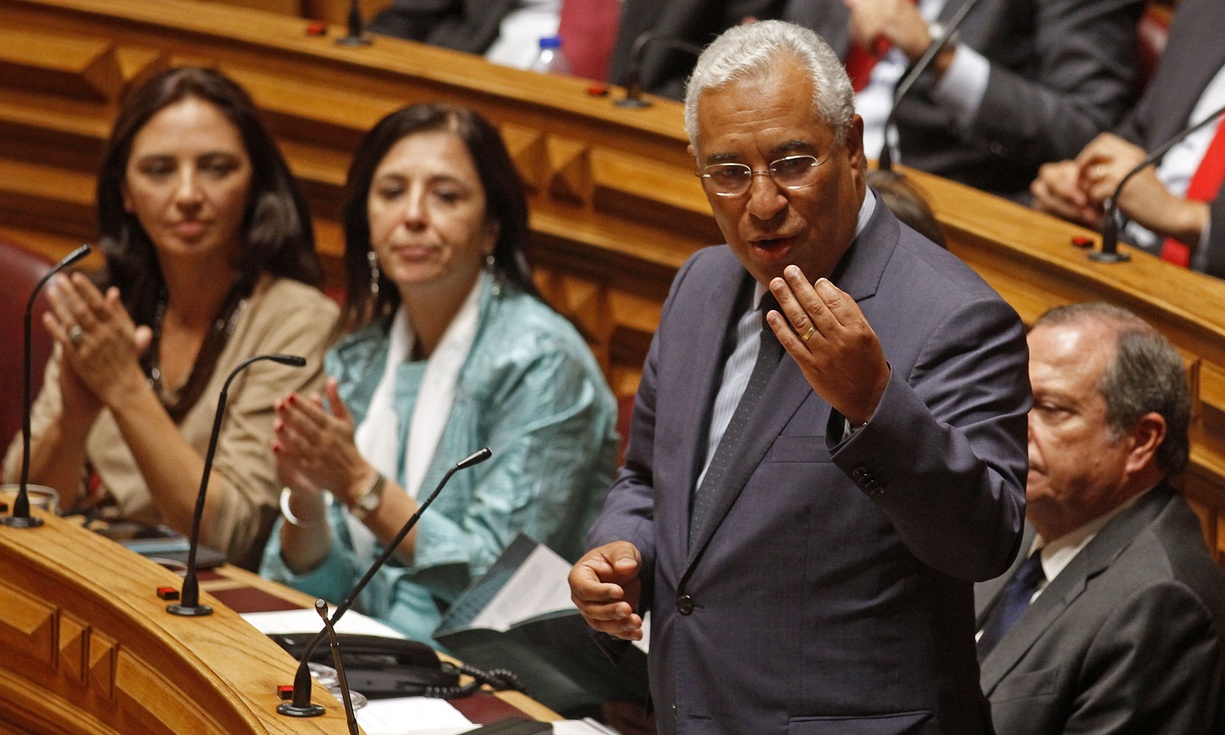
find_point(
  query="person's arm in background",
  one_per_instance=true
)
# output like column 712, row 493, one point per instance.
column 1083, row 66
column 1108, row 159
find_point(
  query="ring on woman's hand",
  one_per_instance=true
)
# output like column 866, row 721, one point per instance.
column 76, row 334
column 808, row 335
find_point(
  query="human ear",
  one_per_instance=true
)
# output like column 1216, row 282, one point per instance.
column 1146, row 436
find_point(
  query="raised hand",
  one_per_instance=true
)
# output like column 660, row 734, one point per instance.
column 824, row 331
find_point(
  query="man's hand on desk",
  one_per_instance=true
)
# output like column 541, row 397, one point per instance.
column 605, row 588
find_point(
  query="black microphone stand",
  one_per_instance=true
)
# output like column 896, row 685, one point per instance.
column 633, row 88
column 342, row 680
column 21, row 517
column 301, row 705
column 884, row 161
column 356, row 36
column 189, row 604
column 1110, row 222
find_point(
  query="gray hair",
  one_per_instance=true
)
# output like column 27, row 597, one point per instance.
column 752, row 49
column 1146, row 375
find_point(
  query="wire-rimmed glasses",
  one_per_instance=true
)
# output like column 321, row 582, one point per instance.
column 734, row 179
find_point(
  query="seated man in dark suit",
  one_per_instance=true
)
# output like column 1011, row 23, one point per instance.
column 1171, row 205
column 1126, row 629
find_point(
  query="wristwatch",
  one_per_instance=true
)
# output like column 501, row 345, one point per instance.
column 368, row 501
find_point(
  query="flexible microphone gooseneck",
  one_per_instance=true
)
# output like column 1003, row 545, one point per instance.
column 1110, row 223
column 301, row 705
column 21, row 517
column 633, row 73
column 189, row 602
column 884, row 161
column 321, row 607
column 356, row 35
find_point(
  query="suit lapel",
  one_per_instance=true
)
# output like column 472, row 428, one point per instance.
column 859, row 274
column 1070, row 584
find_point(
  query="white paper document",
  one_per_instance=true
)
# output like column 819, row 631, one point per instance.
column 416, row 715
column 305, row 621
column 538, row 586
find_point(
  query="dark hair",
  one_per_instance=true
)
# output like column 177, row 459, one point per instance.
column 276, row 229
column 1145, row 375
column 907, row 203
column 505, row 201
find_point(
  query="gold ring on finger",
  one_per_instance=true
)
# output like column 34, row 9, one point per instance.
column 808, row 335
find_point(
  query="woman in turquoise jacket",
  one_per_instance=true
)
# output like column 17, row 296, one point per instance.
column 452, row 351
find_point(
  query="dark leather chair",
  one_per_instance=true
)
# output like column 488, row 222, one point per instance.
column 20, row 270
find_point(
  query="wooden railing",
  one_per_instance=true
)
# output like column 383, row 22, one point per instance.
column 88, row 647
column 615, row 206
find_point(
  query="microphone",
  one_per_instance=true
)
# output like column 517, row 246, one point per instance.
column 355, row 37
column 633, row 73
column 189, row 604
column 885, row 160
column 301, row 705
column 21, row 517
column 321, row 607
column 1110, row 224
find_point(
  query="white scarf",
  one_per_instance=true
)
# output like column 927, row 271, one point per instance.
column 377, row 437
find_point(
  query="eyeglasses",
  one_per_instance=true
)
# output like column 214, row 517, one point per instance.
column 734, row 179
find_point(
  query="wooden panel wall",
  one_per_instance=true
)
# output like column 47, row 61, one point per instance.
column 615, row 205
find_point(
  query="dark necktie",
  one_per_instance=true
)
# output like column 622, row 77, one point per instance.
column 1015, row 599
column 768, row 355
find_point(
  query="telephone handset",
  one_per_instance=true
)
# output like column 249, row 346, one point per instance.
column 381, row 667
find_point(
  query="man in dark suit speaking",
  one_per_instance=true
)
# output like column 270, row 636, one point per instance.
column 805, row 527
column 1128, row 634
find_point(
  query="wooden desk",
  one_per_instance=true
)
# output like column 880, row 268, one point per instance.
column 89, row 648
column 615, row 206
column 86, row 646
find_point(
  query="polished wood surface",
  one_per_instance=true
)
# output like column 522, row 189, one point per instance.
column 615, row 205
column 88, row 647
